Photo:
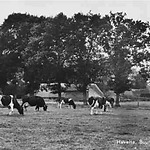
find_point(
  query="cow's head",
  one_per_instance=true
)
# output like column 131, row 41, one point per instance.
column 91, row 100
column 71, row 102
column 74, row 105
column 18, row 106
column 45, row 107
column 20, row 110
column 111, row 101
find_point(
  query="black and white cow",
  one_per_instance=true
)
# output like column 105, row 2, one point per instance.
column 99, row 102
column 10, row 102
column 34, row 101
column 111, row 101
column 68, row 101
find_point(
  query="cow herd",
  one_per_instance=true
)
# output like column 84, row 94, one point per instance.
column 11, row 102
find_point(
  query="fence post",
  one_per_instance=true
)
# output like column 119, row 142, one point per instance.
column 138, row 102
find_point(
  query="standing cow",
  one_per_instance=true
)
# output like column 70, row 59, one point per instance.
column 10, row 102
column 34, row 101
column 99, row 102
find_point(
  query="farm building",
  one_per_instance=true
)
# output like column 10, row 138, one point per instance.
column 71, row 92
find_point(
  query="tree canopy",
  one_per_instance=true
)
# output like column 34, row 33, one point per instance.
column 81, row 49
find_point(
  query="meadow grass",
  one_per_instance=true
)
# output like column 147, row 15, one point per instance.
column 123, row 128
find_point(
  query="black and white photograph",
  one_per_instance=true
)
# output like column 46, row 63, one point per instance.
column 74, row 74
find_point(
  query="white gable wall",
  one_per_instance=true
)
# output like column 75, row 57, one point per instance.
column 93, row 90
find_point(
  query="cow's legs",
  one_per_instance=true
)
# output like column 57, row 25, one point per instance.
column 60, row 104
column 105, row 108
column 37, row 108
column 92, row 111
column 108, row 105
column 25, row 106
column 11, row 108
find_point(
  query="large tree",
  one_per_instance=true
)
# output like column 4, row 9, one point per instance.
column 87, row 58
column 34, row 59
column 122, row 43
column 57, row 51
column 15, row 35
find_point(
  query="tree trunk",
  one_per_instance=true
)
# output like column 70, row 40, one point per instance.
column 117, row 104
column 59, row 91
column 85, row 98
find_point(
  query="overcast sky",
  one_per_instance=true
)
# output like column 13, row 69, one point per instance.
column 136, row 9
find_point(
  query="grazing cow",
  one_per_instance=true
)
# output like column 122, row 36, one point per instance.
column 10, row 102
column 99, row 102
column 111, row 101
column 34, row 101
column 68, row 101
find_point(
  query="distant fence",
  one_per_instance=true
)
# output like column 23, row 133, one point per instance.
column 54, row 99
column 135, row 99
column 122, row 99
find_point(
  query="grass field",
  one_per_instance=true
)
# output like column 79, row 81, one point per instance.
column 124, row 128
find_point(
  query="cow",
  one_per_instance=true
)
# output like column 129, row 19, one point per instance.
column 10, row 102
column 99, row 102
column 111, row 101
column 68, row 101
column 34, row 101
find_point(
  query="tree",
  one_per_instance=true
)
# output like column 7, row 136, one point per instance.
column 56, row 49
column 138, row 82
column 15, row 34
column 34, row 59
column 122, row 43
column 87, row 59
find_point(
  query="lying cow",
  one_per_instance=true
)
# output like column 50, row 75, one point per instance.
column 10, row 102
column 99, row 102
column 34, row 101
column 68, row 101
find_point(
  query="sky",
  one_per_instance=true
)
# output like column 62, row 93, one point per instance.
column 135, row 9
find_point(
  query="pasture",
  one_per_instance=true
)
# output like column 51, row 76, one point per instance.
column 124, row 128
